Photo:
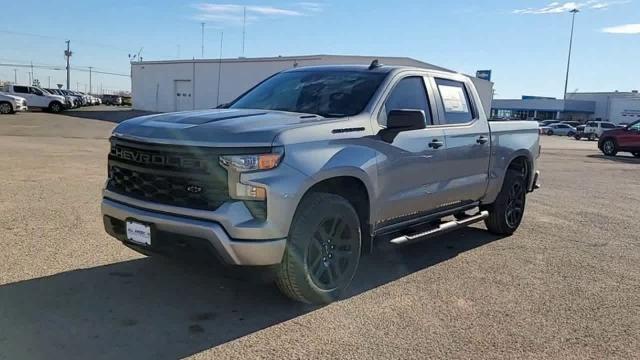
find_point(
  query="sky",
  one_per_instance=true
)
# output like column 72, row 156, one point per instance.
column 524, row 42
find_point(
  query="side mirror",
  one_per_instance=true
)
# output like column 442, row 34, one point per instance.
column 223, row 106
column 402, row 120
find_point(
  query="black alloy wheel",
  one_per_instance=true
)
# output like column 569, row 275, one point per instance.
column 331, row 255
column 515, row 205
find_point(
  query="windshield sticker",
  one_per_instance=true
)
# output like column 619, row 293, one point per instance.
column 453, row 99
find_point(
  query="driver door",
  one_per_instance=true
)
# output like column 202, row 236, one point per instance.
column 630, row 139
column 410, row 167
column 37, row 98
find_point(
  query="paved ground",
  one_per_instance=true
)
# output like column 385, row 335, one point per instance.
column 566, row 285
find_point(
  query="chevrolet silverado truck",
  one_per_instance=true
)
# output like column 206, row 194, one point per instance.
column 312, row 166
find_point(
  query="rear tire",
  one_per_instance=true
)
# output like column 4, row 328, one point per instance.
column 609, row 147
column 323, row 250
column 592, row 137
column 636, row 154
column 549, row 132
column 505, row 214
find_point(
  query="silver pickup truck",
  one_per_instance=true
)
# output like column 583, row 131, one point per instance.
column 308, row 169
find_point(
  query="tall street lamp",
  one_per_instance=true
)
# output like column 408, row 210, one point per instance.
column 566, row 80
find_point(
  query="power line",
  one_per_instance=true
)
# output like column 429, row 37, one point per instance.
column 88, row 43
column 60, row 68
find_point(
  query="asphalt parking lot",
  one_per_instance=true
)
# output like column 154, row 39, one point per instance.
column 566, row 285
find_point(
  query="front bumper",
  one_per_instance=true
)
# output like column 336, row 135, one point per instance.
column 172, row 228
column 20, row 107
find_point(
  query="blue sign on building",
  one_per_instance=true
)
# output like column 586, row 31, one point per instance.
column 484, row 74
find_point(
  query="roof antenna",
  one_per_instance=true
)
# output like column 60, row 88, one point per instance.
column 374, row 64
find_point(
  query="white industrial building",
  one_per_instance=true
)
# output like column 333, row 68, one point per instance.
column 618, row 107
column 175, row 85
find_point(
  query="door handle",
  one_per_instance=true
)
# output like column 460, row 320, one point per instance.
column 482, row 140
column 436, row 144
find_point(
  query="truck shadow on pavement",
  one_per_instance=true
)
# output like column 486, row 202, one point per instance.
column 155, row 308
column 623, row 158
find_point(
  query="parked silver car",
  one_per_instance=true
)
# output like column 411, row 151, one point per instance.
column 558, row 129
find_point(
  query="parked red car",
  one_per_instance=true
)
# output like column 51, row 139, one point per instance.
column 626, row 139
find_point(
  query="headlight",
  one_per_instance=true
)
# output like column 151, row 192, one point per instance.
column 245, row 163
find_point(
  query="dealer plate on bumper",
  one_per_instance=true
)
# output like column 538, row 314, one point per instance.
column 138, row 233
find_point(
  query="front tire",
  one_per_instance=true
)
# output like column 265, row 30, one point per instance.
column 549, row 132
column 6, row 108
column 609, row 147
column 55, row 107
column 323, row 250
column 636, row 154
column 505, row 214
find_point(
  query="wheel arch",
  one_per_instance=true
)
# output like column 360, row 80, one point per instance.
column 352, row 187
column 521, row 160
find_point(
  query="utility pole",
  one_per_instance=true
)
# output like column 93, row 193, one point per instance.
column 90, row 68
column 49, row 86
column 202, row 37
column 219, row 69
column 15, row 76
column 30, row 78
column 566, row 79
column 77, row 85
column 67, row 54
column 244, row 27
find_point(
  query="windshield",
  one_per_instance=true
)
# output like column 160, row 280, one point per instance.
column 326, row 93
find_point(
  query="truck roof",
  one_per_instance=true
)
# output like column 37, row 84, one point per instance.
column 383, row 69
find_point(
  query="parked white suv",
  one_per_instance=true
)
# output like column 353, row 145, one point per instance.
column 37, row 97
column 10, row 104
column 594, row 129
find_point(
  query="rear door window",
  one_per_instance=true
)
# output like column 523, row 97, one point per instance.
column 608, row 126
column 455, row 101
column 21, row 89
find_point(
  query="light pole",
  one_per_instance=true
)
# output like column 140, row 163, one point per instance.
column 202, row 42
column 566, row 79
column 67, row 55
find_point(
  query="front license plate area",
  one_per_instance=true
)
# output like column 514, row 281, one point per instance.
column 138, row 233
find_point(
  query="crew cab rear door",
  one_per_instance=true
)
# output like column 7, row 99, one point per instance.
column 467, row 136
column 411, row 166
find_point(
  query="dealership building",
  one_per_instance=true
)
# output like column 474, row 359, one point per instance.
column 617, row 107
column 176, row 85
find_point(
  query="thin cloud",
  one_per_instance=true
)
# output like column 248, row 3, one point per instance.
column 623, row 29
column 563, row 7
column 234, row 14
column 311, row 6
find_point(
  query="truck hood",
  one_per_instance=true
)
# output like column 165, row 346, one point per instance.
column 214, row 127
column 13, row 97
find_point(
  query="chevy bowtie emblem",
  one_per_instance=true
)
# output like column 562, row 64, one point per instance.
column 194, row 189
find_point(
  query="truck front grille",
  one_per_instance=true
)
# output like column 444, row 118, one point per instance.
column 184, row 176
column 183, row 191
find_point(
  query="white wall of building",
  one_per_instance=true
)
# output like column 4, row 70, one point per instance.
column 153, row 83
column 624, row 110
column 610, row 105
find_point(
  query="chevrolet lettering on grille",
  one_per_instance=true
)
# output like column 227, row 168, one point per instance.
column 156, row 159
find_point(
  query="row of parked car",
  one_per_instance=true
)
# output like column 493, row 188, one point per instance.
column 15, row 98
column 591, row 130
column 612, row 138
